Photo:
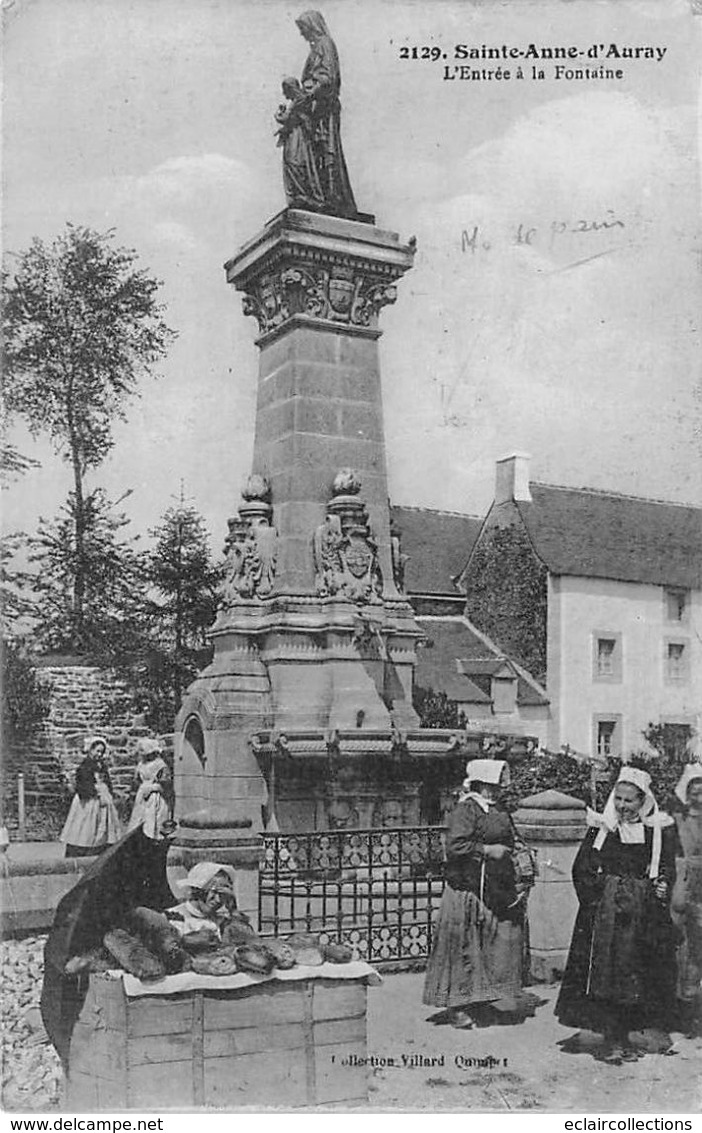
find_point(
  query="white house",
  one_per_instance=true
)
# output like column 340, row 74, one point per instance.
column 623, row 579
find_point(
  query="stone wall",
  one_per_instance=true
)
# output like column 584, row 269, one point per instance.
column 83, row 700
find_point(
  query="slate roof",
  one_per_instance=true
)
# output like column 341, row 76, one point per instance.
column 438, row 544
column 593, row 534
column 455, row 651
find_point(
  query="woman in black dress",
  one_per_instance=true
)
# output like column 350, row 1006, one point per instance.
column 478, row 947
column 620, row 975
column 92, row 823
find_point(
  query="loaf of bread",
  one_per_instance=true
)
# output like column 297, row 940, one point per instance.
column 160, row 937
column 215, row 964
column 337, row 953
column 254, row 958
column 306, row 949
column 239, row 931
column 283, row 953
column 132, row 955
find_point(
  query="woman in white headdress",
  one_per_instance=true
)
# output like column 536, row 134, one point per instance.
column 687, row 896
column 620, row 974
column 478, row 945
column 211, row 902
column 152, row 805
column 92, row 823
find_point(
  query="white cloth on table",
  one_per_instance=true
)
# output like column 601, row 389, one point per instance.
column 191, row 981
column 192, row 920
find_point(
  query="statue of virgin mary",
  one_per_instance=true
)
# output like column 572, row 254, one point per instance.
column 318, row 110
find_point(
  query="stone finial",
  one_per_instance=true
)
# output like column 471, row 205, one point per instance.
column 256, row 488
column 346, row 483
column 551, row 816
column 251, row 546
column 345, row 552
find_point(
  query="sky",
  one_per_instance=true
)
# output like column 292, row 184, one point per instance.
column 555, row 303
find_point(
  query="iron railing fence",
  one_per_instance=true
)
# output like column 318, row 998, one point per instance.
column 377, row 890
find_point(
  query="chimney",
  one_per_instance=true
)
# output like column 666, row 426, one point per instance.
column 512, row 478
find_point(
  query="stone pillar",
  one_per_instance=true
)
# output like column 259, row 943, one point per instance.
column 553, row 824
column 316, row 285
column 313, row 635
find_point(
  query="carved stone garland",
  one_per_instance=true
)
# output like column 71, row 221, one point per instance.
column 345, row 553
column 250, row 546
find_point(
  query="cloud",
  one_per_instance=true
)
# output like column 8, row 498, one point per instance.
column 590, row 147
column 172, row 232
column 179, row 179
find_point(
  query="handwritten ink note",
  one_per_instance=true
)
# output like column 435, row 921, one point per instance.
column 474, row 239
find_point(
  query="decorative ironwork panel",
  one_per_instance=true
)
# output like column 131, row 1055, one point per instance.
column 376, row 890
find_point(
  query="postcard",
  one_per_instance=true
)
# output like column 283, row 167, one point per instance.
column 368, row 287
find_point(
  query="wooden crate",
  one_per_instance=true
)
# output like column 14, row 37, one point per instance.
column 272, row 1044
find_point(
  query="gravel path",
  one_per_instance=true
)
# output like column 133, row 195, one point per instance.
column 31, row 1071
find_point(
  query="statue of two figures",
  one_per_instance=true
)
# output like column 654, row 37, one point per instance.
column 250, row 562
column 314, row 169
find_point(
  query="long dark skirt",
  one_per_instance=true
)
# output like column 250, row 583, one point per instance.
column 690, row 924
column 621, row 965
column 84, row 851
column 475, row 957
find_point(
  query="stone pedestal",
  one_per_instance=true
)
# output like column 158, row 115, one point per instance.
column 316, row 285
column 553, row 824
column 313, row 635
column 304, row 719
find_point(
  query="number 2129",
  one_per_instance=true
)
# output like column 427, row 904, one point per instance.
column 432, row 53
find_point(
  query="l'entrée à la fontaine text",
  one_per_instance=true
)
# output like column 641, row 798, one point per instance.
column 598, row 61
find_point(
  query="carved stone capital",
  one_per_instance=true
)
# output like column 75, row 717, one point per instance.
column 319, row 270
column 342, row 294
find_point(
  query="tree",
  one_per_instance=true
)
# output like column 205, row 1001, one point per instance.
column 82, row 325
column 506, row 596
column 435, row 710
column 111, row 620
column 14, row 463
column 185, row 580
column 24, row 700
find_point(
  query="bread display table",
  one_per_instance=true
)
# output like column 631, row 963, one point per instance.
column 193, row 1041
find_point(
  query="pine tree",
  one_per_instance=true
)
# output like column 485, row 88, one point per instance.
column 111, row 625
column 185, row 581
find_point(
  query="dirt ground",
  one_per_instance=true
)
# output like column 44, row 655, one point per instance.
column 496, row 1068
column 532, row 1073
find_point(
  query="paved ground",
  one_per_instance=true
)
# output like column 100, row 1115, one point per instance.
column 529, row 1071
column 35, row 851
column 498, row 1068
column 532, row 1072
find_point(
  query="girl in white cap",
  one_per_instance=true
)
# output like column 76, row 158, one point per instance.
column 477, row 949
column 151, row 808
column 92, row 823
column 211, row 900
column 620, row 974
column 687, row 896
